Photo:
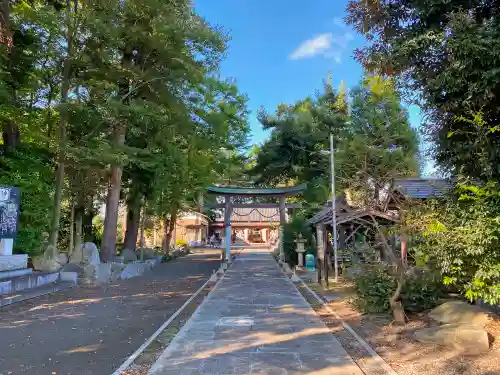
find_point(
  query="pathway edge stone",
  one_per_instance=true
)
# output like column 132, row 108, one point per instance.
column 375, row 356
column 130, row 360
column 157, row 365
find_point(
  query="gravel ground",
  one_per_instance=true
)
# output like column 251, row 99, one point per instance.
column 92, row 330
column 405, row 355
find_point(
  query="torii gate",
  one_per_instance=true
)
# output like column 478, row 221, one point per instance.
column 279, row 192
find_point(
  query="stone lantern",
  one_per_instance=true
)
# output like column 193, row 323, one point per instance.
column 300, row 249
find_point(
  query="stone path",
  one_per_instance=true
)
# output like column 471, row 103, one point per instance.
column 93, row 330
column 255, row 322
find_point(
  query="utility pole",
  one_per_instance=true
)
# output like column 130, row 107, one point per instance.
column 334, row 213
column 334, row 197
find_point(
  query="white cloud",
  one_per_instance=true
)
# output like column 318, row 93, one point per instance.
column 328, row 45
column 313, row 47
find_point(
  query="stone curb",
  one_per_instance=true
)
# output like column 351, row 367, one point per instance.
column 375, row 356
column 131, row 359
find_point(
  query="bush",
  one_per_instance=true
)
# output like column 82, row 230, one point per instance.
column 31, row 171
column 374, row 287
column 421, row 292
column 297, row 224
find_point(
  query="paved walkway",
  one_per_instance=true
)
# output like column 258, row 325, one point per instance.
column 93, row 330
column 255, row 322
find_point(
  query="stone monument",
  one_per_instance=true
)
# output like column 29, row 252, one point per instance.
column 9, row 220
column 300, row 249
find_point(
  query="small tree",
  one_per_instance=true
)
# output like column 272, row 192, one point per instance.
column 377, row 146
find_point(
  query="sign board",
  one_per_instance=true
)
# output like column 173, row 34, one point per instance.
column 10, row 199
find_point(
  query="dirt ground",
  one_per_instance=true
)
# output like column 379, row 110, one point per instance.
column 397, row 347
column 92, row 330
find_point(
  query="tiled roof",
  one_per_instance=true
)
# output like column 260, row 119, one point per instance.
column 326, row 212
column 419, row 188
column 423, row 188
column 344, row 216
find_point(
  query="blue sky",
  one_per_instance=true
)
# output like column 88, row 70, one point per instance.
column 282, row 50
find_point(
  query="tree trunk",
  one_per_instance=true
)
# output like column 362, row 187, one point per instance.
column 404, row 249
column 5, row 24
column 71, row 229
column 171, row 228
column 88, row 218
column 10, row 133
column 398, row 312
column 142, row 241
column 165, row 242
column 58, row 188
column 397, row 308
column 11, row 136
column 108, row 244
column 79, row 212
column 133, row 219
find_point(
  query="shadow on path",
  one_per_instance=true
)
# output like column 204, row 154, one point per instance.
column 92, row 330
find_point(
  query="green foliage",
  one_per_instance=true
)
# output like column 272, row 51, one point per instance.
column 461, row 238
column 374, row 142
column 296, row 151
column 29, row 170
column 97, row 229
column 444, row 55
column 375, row 285
column 379, row 144
column 297, row 224
column 421, row 292
column 132, row 85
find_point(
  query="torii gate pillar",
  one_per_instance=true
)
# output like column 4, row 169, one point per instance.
column 282, row 227
column 230, row 191
column 227, row 227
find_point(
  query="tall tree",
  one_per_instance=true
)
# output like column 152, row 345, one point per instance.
column 149, row 45
column 443, row 55
column 377, row 147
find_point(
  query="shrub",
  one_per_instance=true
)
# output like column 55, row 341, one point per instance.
column 374, row 287
column 31, row 171
column 297, row 224
column 421, row 292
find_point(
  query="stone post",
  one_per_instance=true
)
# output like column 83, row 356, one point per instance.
column 300, row 249
column 6, row 246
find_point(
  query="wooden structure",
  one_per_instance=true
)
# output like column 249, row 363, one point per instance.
column 229, row 193
column 353, row 221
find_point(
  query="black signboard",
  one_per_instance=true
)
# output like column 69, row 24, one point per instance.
column 10, row 199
